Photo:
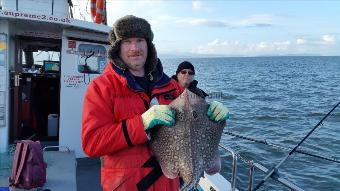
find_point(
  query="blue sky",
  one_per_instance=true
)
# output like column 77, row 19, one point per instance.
column 237, row 28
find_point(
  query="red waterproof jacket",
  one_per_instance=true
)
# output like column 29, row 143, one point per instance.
column 112, row 128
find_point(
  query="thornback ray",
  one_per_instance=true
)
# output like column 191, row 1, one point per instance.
column 189, row 147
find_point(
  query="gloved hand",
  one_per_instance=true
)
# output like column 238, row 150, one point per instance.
column 158, row 115
column 217, row 111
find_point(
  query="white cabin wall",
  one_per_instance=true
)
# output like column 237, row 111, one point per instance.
column 4, row 129
column 73, row 85
column 71, row 101
column 60, row 7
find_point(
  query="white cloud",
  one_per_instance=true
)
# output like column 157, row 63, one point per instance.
column 197, row 5
column 328, row 39
column 255, row 21
column 220, row 47
column 324, row 40
column 252, row 21
column 300, row 41
column 268, row 47
column 300, row 46
column 201, row 22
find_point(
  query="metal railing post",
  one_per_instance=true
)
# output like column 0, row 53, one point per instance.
column 233, row 168
column 251, row 175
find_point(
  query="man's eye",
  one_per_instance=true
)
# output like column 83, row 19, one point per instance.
column 125, row 41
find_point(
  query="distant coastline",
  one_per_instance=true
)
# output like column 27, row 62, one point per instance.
column 190, row 55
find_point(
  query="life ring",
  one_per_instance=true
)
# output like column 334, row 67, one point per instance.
column 97, row 11
column 93, row 9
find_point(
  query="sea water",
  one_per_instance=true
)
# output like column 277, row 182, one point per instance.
column 277, row 99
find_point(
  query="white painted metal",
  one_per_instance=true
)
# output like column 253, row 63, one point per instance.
column 216, row 181
column 60, row 7
column 4, row 90
column 73, row 85
column 52, row 19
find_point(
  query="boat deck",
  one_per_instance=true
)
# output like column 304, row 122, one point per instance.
column 88, row 174
column 64, row 172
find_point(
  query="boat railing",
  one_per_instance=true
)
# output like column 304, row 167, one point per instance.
column 276, row 177
column 252, row 166
column 234, row 165
column 56, row 148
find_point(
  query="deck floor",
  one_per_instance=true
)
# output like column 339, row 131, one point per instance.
column 88, row 171
column 88, row 174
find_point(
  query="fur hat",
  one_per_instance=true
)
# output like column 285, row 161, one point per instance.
column 185, row 65
column 131, row 26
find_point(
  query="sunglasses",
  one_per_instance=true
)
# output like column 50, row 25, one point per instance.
column 189, row 72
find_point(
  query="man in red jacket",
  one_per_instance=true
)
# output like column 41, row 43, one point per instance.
column 117, row 111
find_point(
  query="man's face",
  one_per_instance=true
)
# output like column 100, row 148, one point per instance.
column 134, row 51
column 185, row 77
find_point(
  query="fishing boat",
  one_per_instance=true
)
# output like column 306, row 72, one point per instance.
column 47, row 59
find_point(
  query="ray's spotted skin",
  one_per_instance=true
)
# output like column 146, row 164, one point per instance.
column 190, row 147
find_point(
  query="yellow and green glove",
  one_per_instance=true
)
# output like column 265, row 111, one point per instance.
column 158, row 115
column 218, row 112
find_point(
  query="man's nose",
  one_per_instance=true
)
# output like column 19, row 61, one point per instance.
column 134, row 46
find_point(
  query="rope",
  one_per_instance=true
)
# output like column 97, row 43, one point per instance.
column 244, row 160
column 300, row 151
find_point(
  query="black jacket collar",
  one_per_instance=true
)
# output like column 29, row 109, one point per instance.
column 157, row 77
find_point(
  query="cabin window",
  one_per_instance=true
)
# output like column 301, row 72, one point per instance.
column 91, row 58
column 35, row 61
